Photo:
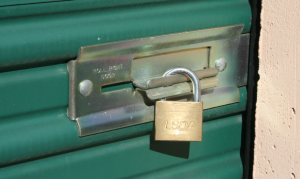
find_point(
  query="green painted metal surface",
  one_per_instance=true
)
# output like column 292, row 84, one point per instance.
column 56, row 37
column 222, row 166
column 48, row 133
column 37, row 140
column 33, row 90
column 216, row 157
column 23, row 2
column 55, row 6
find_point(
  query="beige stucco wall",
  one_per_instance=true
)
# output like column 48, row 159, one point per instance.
column 277, row 126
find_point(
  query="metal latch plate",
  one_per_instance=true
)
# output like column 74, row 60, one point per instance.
column 142, row 61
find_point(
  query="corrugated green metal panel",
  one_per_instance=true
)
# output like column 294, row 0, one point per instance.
column 47, row 133
column 224, row 166
column 35, row 89
column 53, row 38
column 140, row 155
column 56, row 6
column 22, row 2
column 37, row 140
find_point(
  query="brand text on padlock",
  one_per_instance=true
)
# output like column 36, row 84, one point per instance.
column 179, row 125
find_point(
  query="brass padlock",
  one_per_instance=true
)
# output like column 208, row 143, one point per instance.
column 180, row 120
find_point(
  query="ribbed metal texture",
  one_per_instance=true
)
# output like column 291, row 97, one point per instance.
column 37, row 140
column 47, row 133
column 216, row 157
column 50, row 38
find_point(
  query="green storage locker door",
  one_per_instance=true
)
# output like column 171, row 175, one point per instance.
column 37, row 140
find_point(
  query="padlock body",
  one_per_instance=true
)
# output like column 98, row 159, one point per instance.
column 178, row 121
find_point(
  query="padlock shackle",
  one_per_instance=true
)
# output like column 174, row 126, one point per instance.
column 192, row 76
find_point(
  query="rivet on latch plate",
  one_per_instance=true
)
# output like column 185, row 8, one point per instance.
column 221, row 64
column 86, row 88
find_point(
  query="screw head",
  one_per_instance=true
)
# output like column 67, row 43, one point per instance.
column 85, row 88
column 221, row 64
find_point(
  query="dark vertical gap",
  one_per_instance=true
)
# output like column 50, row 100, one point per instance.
column 208, row 58
column 248, row 136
